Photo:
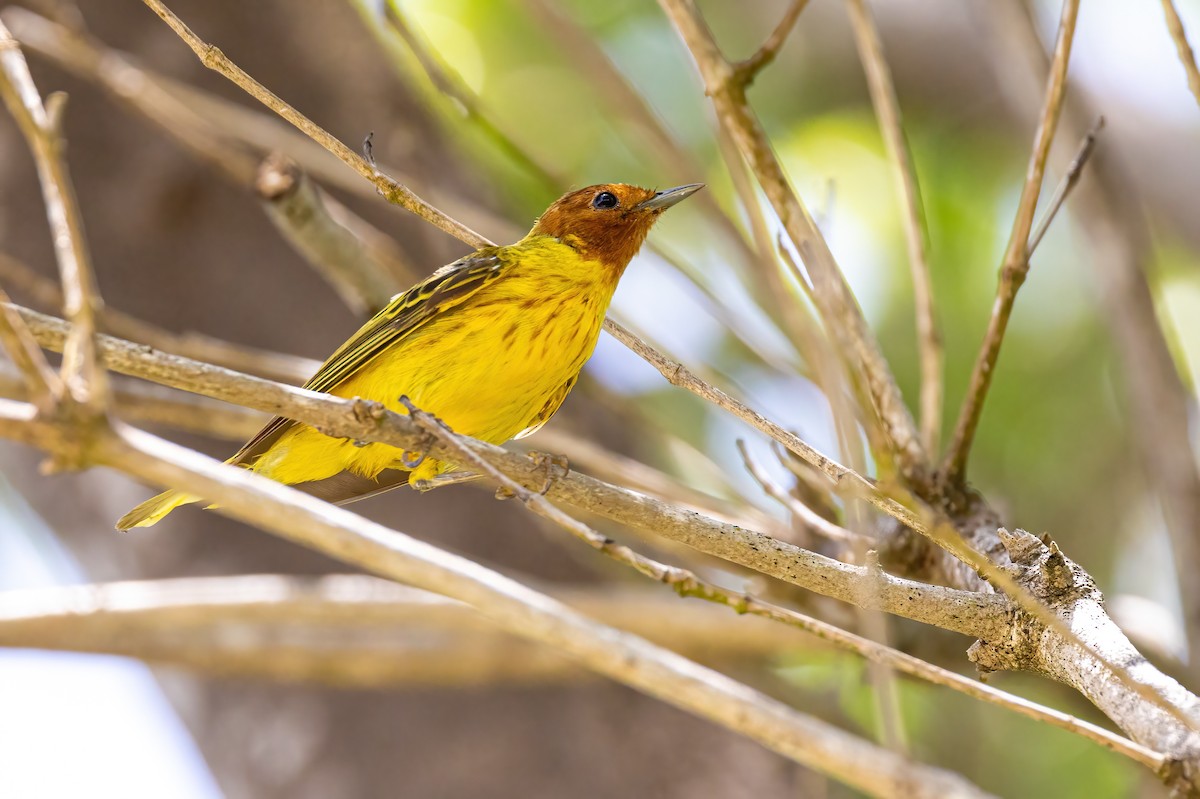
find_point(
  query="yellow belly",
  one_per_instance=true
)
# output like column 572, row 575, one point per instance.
column 491, row 368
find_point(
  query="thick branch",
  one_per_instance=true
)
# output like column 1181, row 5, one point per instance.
column 977, row 615
column 518, row 609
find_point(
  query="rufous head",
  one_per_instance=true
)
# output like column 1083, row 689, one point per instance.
column 608, row 222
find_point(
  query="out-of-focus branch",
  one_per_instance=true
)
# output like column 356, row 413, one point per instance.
column 298, row 210
column 904, row 172
column 1069, row 179
column 389, row 188
column 146, row 403
column 1186, row 56
column 1016, row 257
column 83, row 381
column 367, row 632
column 350, row 630
column 748, row 69
column 276, row 366
column 839, row 309
column 226, row 135
column 974, row 614
column 38, row 379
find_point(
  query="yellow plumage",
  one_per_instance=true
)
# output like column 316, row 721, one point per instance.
column 491, row 344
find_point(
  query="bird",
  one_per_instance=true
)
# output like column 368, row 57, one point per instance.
column 491, row 344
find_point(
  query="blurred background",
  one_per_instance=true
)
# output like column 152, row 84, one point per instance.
column 574, row 93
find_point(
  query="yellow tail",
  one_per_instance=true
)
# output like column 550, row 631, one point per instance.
column 153, row 509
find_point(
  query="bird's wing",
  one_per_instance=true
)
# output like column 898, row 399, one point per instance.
column 445, row 288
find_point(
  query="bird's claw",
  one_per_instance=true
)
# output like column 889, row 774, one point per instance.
column 554, row 468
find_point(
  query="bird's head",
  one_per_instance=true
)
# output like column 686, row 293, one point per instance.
column 608, row 222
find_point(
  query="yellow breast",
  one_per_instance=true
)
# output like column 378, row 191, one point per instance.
column 494, row 366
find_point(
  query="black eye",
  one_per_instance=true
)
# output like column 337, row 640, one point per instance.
column 605, row 200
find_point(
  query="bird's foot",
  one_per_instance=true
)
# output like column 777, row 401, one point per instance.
column 554, row 468
column 411, row 459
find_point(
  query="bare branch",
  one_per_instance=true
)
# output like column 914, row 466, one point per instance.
column 147, row 403
column 1016, row 258
column 974, row 614
column 389, row 188
column 1069, row 179
column 748, row 69
column 838, row 307
column 40, row 381
column 351, row 630
column 887, row 109
column 844, row 478
column 298, row 210
column 40, row 125
column 518, row 609
column 1120, row 250
column 807, row 515
column 1186, row 56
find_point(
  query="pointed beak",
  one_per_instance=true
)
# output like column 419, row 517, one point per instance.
column 668, row 197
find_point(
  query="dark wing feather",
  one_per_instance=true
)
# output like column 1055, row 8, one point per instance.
column 445, row 288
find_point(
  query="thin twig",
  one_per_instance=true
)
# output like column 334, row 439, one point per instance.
column 1069, row 179
column 1186, row 56
column 844, row 479
column 748, row 69
column 1016, row 258
column 615, row 467
column 43, row 385
column 82, row 379
column 449, row 83
column 904, row 171
column 390, row 189
column 815, row 521
column 839, row 309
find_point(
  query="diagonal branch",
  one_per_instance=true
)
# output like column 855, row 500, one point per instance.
column 518, row 609
column 40, row 381
column 1186, row 56
column 836, row 302
column 1016, row 257
column 390, row 189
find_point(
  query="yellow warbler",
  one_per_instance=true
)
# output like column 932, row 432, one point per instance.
column 491, row 343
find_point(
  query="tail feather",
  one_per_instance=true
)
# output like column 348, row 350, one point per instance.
column 153, row 509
